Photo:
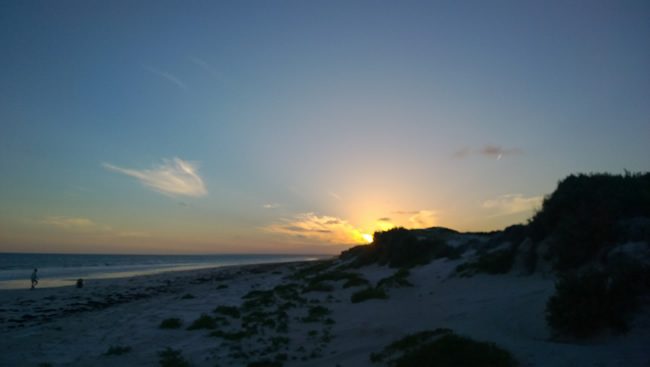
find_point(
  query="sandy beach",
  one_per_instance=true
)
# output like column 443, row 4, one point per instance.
column 112, row 322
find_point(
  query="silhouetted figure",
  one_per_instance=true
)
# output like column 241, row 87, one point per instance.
column 80, row 283
column 34, row 278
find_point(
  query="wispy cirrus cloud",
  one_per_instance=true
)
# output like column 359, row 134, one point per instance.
column 167, row 76
column 85, row 225
column 173, row 177
column 311, row 227
column 333, row 194
column 72, row 223
column 488, row 150
column 511, row 204
column 207, row 67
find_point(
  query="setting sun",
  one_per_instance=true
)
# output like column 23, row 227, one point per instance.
column 367, row 237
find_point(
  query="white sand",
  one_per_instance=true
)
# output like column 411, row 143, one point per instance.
column 506, row 309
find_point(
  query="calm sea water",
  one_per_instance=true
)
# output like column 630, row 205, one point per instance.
column 64, row 269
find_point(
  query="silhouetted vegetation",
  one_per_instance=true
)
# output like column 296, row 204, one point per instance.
column 400, row 247
column 588, row 301
column 582, row 214
column 172, row 358
column 117, row 350
column 399, row 279
column 369, row 293
column 442, row 348
column 171, row 323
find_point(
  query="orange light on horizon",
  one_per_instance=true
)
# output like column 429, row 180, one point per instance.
column 367, row 237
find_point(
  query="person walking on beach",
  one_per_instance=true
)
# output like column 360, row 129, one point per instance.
column 34, row 278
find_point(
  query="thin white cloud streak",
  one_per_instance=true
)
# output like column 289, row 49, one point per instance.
column 75, row 224
column 174, row 177
column 85, row 225
column 333, row 194
column 271, row 206
column 167, row 76
column 512, row 203
column 204, row 65
column 69, row 222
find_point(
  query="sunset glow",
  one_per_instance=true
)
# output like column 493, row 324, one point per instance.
column 301, row 126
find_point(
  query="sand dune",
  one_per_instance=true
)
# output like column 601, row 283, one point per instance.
column 67, row 326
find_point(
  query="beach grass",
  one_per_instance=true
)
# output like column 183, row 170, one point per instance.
column 171, row 323
column 369, row 293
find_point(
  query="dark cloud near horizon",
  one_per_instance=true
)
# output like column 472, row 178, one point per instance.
column 488, row 150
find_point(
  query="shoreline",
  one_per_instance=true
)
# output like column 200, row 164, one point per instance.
column 54, row 277
column 24, row 307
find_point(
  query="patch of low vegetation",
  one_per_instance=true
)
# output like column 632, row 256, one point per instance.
column 442, row 348
column 316, row 314
column 312, row 269
column 222, row 286
column 231, row 311
column 265, row 363
column 589, row 301
column 172, row 358
column 369, row 293
column 45, row 364
column 317, row 287
column 171, row 323
column 117, row 350
column 232, row 336
column 399, row 279
column 496, row 262
column 203, row 322
column 188, row 296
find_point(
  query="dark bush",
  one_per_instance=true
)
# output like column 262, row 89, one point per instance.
column 443, row 348
column 589, row 301
column 172, row 358
column 582, row 212
column 171, row 323
column 369, row 293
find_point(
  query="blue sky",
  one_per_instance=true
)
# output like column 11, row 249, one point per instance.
column 299, row 126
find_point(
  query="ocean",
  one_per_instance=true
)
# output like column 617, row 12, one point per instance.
column 64, row 269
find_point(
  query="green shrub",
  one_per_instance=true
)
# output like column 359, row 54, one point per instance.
column 203, row 322
column 265, row 363
column 117, row 351
column 233, row 336
column 399, row 279
column 586, row 302
column 369, row 293
column 582, row 212
column 231, row 311
column 496, row 262
column 316, row 313
column 171, row 323
column 172, row 358
column 318, row 287
column 442, row 348
column 188, row 296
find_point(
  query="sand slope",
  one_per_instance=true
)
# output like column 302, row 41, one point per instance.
column 75, row 327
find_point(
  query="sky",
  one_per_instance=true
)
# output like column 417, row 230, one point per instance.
column 300, row 126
